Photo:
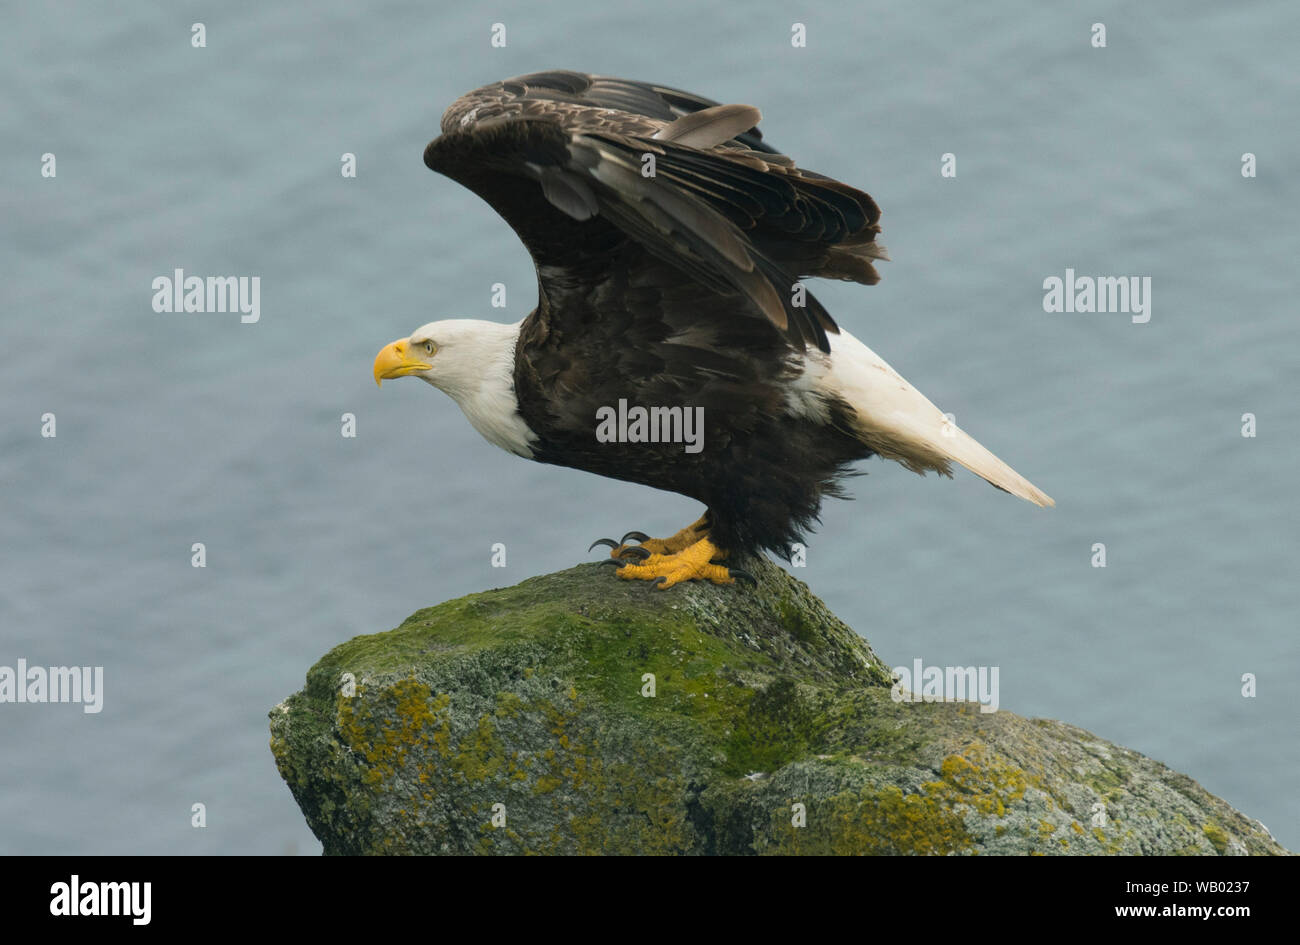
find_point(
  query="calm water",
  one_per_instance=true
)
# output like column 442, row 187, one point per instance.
column 174, row 429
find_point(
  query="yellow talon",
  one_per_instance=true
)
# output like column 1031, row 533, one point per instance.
column 690, row 564
column 670, row 546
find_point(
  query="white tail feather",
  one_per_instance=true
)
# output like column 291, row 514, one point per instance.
column 898, row 422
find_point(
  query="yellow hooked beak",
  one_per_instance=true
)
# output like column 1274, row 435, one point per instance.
column 395, row 360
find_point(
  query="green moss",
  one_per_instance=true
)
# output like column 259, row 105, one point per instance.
column 882, row 822
column 1217, row 836
column 794, row 621
column 405, row 721
column 887, row 820
column 986, row 786
column 481, row 755
column 777, row 725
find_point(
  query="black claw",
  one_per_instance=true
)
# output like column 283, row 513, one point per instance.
column 615, row 562
column 634, row 551
column 639, row 536
column 740, row 575
column 659, row 581
column 603, row 541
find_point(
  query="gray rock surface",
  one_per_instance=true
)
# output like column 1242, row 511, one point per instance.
column 520, row 721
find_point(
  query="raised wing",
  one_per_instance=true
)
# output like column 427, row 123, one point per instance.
column 594, row 173
column 657, row 102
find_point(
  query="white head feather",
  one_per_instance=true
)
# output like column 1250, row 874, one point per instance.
column 473, row 362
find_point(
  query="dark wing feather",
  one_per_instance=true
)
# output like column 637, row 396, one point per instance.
column 559, row 155
column 658, row 102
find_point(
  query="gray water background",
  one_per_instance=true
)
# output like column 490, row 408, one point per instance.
column 177, row 428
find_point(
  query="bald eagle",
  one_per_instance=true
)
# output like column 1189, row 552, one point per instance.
column 670, row 240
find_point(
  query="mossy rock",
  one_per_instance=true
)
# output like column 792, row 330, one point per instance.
column 519, row 721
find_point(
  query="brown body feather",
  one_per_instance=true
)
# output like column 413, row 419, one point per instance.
column 675, row 289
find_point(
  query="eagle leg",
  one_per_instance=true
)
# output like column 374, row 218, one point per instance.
column 656, row 546
column 695, row 562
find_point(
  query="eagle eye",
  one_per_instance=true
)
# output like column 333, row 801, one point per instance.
column 428, row 346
